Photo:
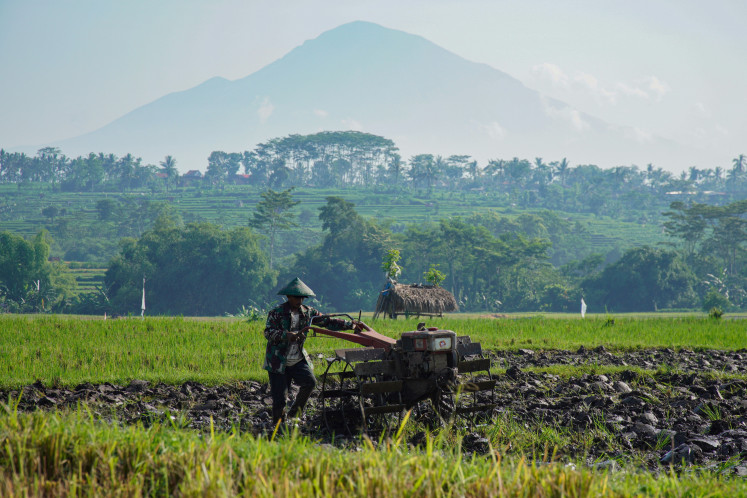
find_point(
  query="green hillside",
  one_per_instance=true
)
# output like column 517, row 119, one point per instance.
column 77, row 215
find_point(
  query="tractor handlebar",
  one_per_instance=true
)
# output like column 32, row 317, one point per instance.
column 356, row 323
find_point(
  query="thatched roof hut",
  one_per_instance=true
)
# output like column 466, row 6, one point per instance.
column 415, row 299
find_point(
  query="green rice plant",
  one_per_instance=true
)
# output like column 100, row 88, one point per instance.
column 662, row 441
column 78, row 454
column 712, row 412
column 67, row 350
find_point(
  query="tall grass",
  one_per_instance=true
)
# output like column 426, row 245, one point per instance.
column 68, row 350
column 75, row 454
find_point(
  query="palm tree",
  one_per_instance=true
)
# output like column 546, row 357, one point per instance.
column 695, row 174
column 423, row 170
column 126, row 170
column 168, row 166
column 737, row 172
column 395, row 169
column 739, row 163
column 439, row 166
column 474, row 170
column 562, row 168
column 543, row 173
column 495, row 170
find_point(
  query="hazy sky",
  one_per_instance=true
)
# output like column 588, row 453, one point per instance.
column 675, row 68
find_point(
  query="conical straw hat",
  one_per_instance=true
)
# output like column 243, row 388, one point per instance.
column 296, row 288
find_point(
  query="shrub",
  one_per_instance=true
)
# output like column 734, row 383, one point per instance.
column 715, row 313
column 714, row 299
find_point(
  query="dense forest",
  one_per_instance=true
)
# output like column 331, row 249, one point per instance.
column 508, row 235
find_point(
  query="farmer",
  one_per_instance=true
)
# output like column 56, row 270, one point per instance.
column 286, row 360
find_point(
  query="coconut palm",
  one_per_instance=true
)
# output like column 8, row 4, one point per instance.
column 168, row 166
column 562, row 168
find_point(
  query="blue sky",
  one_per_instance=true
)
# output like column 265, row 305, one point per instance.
column 671, row 68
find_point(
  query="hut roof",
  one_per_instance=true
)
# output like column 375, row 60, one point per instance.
column 401, row 298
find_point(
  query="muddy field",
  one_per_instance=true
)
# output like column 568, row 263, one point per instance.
column 683, row 413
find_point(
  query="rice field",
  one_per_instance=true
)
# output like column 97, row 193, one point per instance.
column 75, row 452
column 67, row 350
column 73, row 455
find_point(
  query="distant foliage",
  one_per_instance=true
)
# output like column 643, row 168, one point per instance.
column 29, row 282
column 389, row 265
column 250, row 313
column 196, row 270
column 714, row 299
column 434, row 276
column 644, row 279
column 716, row 313
column 345, row 269
column 500, row 230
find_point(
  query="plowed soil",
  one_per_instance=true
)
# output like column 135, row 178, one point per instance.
column 689, row 408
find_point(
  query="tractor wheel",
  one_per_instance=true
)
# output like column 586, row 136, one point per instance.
column 474, row 397
column 380, row 403
column 363, row 402
column 474, row 393
column 340, row 388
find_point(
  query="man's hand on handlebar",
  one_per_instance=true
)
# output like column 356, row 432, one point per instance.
column 296, row 336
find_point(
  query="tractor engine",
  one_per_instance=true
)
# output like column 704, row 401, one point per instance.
column 427, row 359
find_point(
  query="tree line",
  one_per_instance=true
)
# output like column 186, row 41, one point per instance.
column 350, row 159
column 490, row 264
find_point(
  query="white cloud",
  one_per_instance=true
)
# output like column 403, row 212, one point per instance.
column 658, row 87
column 577, row 121
column 321, row 113
column 699, row 133
column 631, row 91
column 351, row 124
column 639, row 135
column 494, row 130
column 567, row 114
column 644, row 88
column 701, row 109
column 551, row 72
column 265, row 109
column 588, row 80
column 591, row 83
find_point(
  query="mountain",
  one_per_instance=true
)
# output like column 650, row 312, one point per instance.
column 365, row 77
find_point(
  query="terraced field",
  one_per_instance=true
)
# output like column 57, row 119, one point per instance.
column 21, row 210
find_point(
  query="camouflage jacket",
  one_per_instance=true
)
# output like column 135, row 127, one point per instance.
column 276, row 333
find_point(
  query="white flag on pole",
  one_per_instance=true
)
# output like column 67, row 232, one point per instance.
column 142, row 308
column 583, row 306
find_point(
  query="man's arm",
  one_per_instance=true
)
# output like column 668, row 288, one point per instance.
column 274, row 331
column 330, row 323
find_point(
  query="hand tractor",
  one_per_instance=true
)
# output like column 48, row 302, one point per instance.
column 434, row 372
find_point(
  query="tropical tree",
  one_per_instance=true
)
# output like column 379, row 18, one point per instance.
column 28, row 281
column 273, row 214
column 345, row 269
column 168, row 167
column 197, row 270
column 395, row 170
column 644, row 279
column 423, row 170
column 561, row 169
column 217, row 169
column 126, row 170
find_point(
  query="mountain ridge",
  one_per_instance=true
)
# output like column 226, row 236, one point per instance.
column 365, row 77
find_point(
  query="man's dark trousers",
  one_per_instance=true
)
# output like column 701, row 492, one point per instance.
column 301, row 374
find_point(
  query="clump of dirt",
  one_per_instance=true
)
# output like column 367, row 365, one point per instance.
column 680, row 415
